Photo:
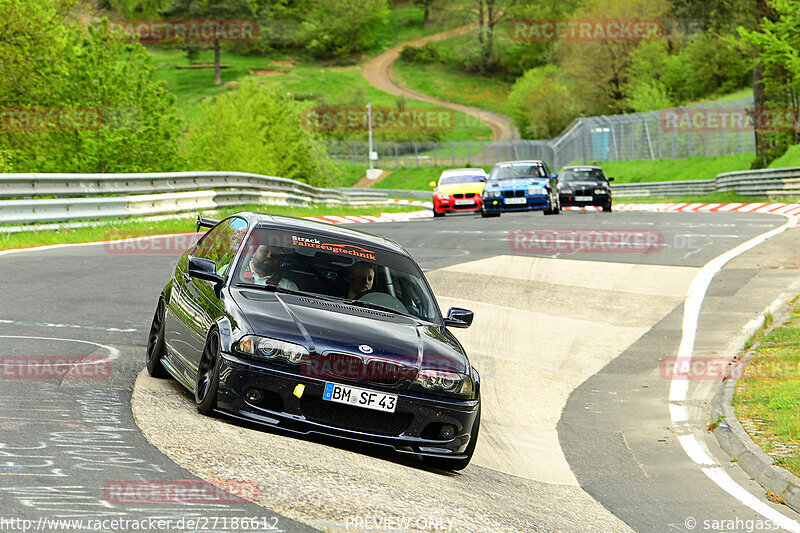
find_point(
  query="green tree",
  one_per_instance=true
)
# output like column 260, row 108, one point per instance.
column 599, row 70
column 541, row 103
column 427, row 6
column 257, row 129
column 516, row 54
column 340, row 28
column 490, row 13
column 33, row 36
column 716, row 16
column 210, row 10
column 646, row 89
column 136, row 9
column 100, row 74
column 776, row 47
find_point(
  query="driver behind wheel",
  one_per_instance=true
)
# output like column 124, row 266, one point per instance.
column 360, row 278
column 265, row 268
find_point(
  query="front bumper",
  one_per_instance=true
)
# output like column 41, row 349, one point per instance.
column 597, row 199
column 498, row 204
column 407, row 430
column 456, row 205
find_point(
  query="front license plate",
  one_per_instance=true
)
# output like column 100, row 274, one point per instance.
column 583, row 198
column 516, row 200
column 378, row 401
column 465, row 202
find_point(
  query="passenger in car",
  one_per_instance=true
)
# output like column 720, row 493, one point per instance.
column 360, row 278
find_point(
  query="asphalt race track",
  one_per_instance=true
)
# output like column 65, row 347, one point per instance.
column 576, row 432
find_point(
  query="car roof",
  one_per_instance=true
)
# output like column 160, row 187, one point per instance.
column 283, row 222
column 463, row 171
column 520, row 162
column 572, row 167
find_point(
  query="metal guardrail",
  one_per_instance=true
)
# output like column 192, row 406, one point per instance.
column 96, row 196
column 405, row 193
column 771, row 182
column 78, row 196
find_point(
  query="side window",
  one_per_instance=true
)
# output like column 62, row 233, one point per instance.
column 224, row 249
column 207, row 241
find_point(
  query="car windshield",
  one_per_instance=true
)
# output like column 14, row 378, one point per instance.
column 510, row 172
column 583, row 174
column 330, row 267
column 462, row 178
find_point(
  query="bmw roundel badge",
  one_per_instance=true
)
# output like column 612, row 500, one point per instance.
column 365, row 348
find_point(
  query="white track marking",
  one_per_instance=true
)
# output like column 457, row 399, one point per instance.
column 113, row 353
column 679, row 385
column 28, row 324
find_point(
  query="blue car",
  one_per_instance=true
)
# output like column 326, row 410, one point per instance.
column 521, row 186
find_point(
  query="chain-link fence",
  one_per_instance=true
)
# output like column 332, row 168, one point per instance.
column 710, row 129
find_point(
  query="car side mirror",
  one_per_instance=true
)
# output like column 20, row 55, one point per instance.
column 206, row 269
column 610, row 179
column 432, row 184
column 458, row 317
column 483, row 179
column 554, row 175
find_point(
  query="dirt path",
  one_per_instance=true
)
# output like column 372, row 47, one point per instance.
column 366, row 183
column 378, row 72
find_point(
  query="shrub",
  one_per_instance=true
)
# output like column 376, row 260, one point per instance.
column 428, row 53
column 256, row 129
column 541, row 103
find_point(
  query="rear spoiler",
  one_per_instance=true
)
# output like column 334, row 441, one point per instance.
column 206, row 222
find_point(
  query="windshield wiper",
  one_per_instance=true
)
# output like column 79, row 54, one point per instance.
column 275, row 288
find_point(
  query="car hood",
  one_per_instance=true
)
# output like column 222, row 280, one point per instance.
column 574, row 184
column 331, row 326
column 455, row 188
column 521, row 183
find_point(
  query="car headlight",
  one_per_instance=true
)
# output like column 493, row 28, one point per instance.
column 271, row 349
column 447, row 382
column 536, row 190
column 442, row 196
column 565, row 190
column 600, row 191
column 491, row 194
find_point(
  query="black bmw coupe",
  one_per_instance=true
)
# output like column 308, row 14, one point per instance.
column 314, row 328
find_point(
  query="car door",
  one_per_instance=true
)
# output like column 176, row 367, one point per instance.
column 205, row 300
column 181, row 308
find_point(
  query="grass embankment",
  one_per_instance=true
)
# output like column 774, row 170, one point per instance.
column 767, row 398
column 690, row 168
column 310, row 83
column 405, row 24
column 790, row 159
column 124, row 229
column 449, row 83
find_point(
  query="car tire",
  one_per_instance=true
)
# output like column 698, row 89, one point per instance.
column 205, row 390
column 553, row 207
column 607, row 207
column 155, row 343
column 437, row 214
column 484, row 214
column 443, row 463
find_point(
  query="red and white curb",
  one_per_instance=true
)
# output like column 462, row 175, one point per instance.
column 418, row 203
column 773, row 208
